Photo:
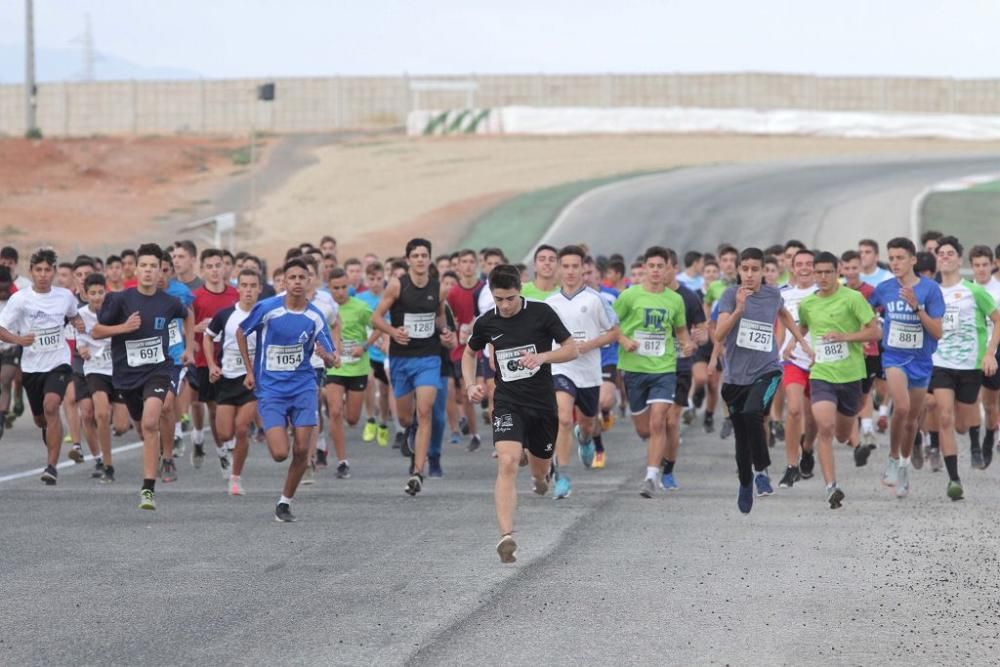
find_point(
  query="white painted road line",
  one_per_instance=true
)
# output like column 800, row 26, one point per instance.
column 66, row 464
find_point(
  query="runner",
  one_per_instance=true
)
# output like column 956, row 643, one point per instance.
column 113, row 273
column 610, row 379
column 377, row 426
column 525, row 416
column 800, row 427
column 138, row 322
column 981, row 259
column 35, row 318
column 963, row 356
column 10, row 354
column 727, row 277
column 838, row 320
column 97, row 372
column 413, row 302
column 288, row 329
column 747, row 316
column 462, row 299
column 236, row 407
column 320, row 298
column 850, row 269
column 912, row 307
column 578, row 382
column 871, row 272
column 545, row 283
column 650, row 316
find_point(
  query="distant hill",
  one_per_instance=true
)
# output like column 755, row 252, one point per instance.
column 67, row 65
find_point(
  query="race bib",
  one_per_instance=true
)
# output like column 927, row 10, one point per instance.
column 949, row 322
column 49, row 339
column 419, row 325
column 232, row 362
column 174, row 332
column 353, row 351
column 754, row 335
column 284, row 357
column 827, row 353
column 102, row 358
column 144, row 352
column 906, row 336
column 510, row 366
column 651, row 344
column 579, row 336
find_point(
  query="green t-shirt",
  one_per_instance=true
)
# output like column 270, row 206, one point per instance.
column 529, row 291
column 845, row 311
column 715, row 290
column 649, row 318
column 355, row 318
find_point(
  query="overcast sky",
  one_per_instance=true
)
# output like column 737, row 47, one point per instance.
column 235, row 38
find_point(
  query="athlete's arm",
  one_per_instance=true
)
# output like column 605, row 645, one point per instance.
column 567, row 351
column 475, row 391
column 870, row 331
column 786, row 318
column 606, row 338
column 729, row 318
column 379, row 322
column 133, row 323
column 208, row 347
column 990, row 358
column 14, row 339
column 241, row 342
column 78, row 323
column 687, row 345
column 188, row 356
column 336, row 332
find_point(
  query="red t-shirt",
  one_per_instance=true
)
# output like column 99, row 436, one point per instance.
column 206, row 304
column 130, row 283
column 463, row 304
column 871, row 347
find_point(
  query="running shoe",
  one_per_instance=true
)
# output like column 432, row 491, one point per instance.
column 668, row 482
column 49, row 475
column 868, row 440
column 179, row 448
column 3, row 423
column 18, row 405
column 400, row 437
column 744, row 499
column 344, row 470
column 463, row 426
column 987, row 456
column 807, row 463
column 168, row 471
column 861, row 454
column 197, row 455
column 586, row 453
column 578, row 434
column 608, row 421
column 382, row 436
column 779, row 431
column 688, row 416
column 224, row 466
column 146, row 501
column 709, row 423
column 370, row 431
column 283, row 513
column 902, row 481
column 507, row 549
column 408, row 445
column 891, row 473
column 698, row 397
column 67, row 439
column 771, row 439
column 434, row 466
column 456, row 437
column 882, row 424
column 309, row 476
column 835, row 497
column 763, row 484
column 109, row 475
column 321, row 461
column 917, row 456
column 8, row 420
column 414, row 484
column 934, row 459
column 76, row 453
column 727, row 428
column 235, row 486
column 648, row 488
column 563, row 488
column 98, row 470
column 976, row 456
column 955, row 491
column 540, row 485
column 474, row 443
column 598, row 461
column 789, row 478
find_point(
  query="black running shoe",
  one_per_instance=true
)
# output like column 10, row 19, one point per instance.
column 283, row 514
column 977, row 458
column 320, row 458
column 98, row 470
column 109, row 475
column 807, row 463
column 49, row 475
column 414, row 484
column 861, row 454
column 474, row 443
column 709, row 423
column 400, row 437
column 343, row 470
column 407, row 445
column 790, row 477
column 987, row 456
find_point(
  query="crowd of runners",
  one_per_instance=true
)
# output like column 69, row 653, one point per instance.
column 782, row 347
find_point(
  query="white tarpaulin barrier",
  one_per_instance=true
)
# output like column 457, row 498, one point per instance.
column 678, row 120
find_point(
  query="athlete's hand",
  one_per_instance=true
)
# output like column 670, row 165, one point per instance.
column 809, row 351
column 133, row 322
column 26, row 341
column 214, row 373
column 84, row 352
column 742, row 294
column 700, row 335
column 476, row 392
column 449, row 339
column 532, row 361
column 249, row 382
column 834, row 337
column 713, row 370
column 201, row 326
column 329, row 360
column 630, row 345
column 400, row 336
column 187, row 357
column 689, row 348
column 989, row 365
column 907, row 295
column 786, row 354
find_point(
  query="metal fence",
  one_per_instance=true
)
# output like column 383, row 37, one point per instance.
column 332, row 103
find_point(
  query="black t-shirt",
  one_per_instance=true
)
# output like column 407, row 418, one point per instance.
column 143, row 353
column 695, row 312
column 416, row 309
column 533, row 329
column 447, row 365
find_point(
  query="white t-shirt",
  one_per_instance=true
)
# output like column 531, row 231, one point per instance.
column 486, row 302
column 792, row 297
column 100, row 349
column 5, row 346
column 45, row 316
column 232, row 361
column 324, row 301
column 22, row 283
column 586, row 316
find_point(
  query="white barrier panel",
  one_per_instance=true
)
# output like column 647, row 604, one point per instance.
column 678, row 120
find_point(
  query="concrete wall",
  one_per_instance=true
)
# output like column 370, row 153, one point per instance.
column 331, row 103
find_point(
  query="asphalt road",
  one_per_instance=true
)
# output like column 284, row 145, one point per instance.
column 826, row 204
column 371, row 576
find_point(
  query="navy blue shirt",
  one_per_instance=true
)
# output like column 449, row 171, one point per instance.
column 143, row 353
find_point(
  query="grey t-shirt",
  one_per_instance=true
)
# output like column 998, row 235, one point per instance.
column 751, row 348
column 194, row 283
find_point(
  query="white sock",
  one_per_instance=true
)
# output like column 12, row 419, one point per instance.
column 285, row 499
column 903, row 462
column 883, row 410
column 198, row 436
column 321, row 444
column 178, row 430
column 841, row 442
column 866, row 425
column 234, row 478
column 652, row 472
column 343, row 462
column 230, row 444
column 221, row 451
